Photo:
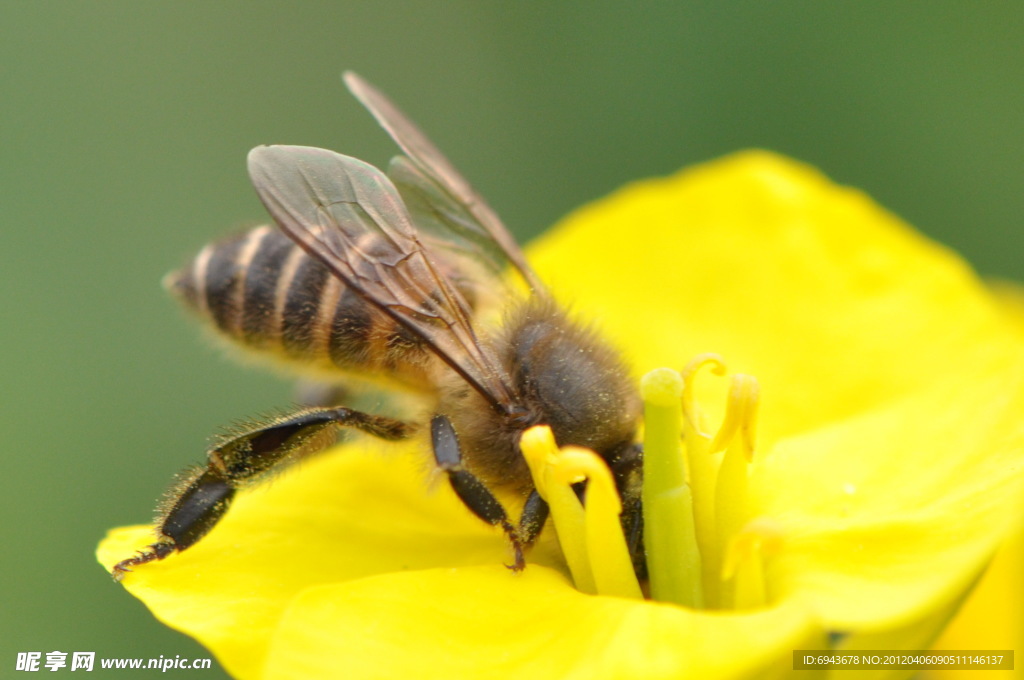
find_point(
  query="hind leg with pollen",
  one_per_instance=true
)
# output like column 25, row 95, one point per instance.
column 202, row 497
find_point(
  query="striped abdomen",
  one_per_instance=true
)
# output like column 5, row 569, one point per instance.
column 261, row 290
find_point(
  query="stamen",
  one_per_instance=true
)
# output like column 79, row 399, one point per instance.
column 670, row 538
column 736, row 436
column 610, row 562
column 703, row 465
column 541, row 454
column 740, row 419
column 591, row 535
column 746, row 562
column 693, row 416
column 740, row 415
column 700, row 549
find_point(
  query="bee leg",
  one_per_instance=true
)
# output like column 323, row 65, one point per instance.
column 202, row 496
column 468, row 487
column 633, row 528
column 535, row 514
column 627, row 468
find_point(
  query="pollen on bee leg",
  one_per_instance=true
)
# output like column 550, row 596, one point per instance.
column 590, row 535
column 746, row 561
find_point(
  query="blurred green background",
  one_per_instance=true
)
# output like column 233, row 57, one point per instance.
column 125, row 127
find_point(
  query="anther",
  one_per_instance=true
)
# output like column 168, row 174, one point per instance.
column 740, row 415
column 689, row 374
column 607, row 552
column 541, row 452
column 736, row 436
column 591, row 534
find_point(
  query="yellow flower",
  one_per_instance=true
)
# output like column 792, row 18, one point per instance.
column 993, row 615
column 885, row 466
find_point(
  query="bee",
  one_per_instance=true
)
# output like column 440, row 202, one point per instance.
column 385, row 275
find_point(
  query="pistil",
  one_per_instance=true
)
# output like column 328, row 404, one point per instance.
column 670, row 538
column 702, row 549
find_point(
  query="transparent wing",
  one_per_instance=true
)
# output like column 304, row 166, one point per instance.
column 348, row 214
column 443, row 204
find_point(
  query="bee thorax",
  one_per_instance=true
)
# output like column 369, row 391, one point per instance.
column 564, row 377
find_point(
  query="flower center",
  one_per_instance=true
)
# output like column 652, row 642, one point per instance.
column 591, row 536
column 703, row 550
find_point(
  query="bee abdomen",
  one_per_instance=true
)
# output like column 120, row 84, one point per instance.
column 260, row 290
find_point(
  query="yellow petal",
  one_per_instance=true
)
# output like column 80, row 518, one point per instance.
column 890, row 422
column 891, row 513
column 832, row 302
column 357, row 511
column 889, row 456
column 993, row 616
column 485, row 622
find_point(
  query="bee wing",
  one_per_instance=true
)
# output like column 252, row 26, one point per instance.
column 442, row 202
column 444, row 226
column 348, row 214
